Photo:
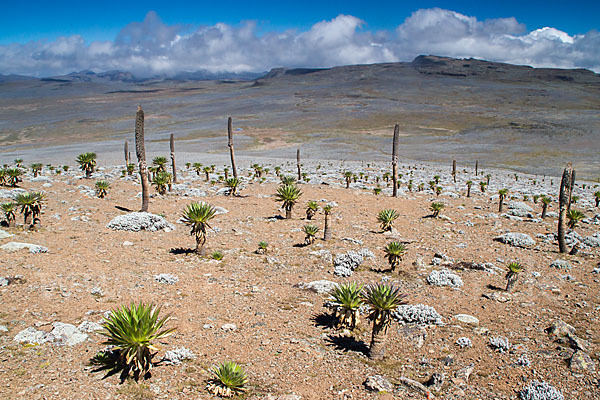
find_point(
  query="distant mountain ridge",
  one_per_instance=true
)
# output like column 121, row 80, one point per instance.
column 425, row 64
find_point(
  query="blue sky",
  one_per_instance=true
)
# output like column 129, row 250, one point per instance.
column 33, row 20
column 43, row 38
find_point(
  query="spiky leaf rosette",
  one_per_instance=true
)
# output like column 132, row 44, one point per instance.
column 13, row 176
column 161, row 180
column 9, row 209
column 347, row 299
column 87, row 161
column 574, row 216
column 288, row 180
column 436, row 207
column 227, row 379
column 310, row 231
column 394, row 252
column 382, row 299
column 160, row 162
column 132, row 329
column 196, row 216
column 288, row 194
column 31, row 203
column 102, row 187
column 386, row 218
column 233, row 184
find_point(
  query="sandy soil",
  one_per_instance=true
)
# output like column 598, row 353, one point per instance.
column 284, row 338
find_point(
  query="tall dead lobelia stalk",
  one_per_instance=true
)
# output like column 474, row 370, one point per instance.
column 230, row 144
column 126, row 151
column 140, row 151
column 298, row 164
column 395, row 159
column 566, row 188
column 172, row 144
column 454, row 170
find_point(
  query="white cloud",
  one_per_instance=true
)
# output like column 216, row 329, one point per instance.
column 152, row 47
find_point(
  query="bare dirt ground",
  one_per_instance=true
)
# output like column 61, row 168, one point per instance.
column 284, row 337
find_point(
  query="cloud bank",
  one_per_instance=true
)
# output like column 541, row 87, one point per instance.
column 151, row 47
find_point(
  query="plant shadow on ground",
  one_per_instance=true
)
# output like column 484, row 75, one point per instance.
column 347, row 343
column 123, row 209
column 494, row 287
column 325, row 320
column 111, row 362
column 182, row 250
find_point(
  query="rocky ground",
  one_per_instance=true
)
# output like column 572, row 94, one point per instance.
column 461, row 336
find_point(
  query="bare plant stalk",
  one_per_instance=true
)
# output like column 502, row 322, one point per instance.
column 454, row 170
column 476, row 167
column 126, row 150
column 230, row 144
column 566, row 185
column 172, row 143
column 395, row 159
column 298, row 164
column 141, row 156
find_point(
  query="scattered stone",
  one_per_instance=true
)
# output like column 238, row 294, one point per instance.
column 464, row 342
column 344, row 264
column 499, row 297
column 378, row 383
column 500, row 344
column 435, row 382
column 420, row 314
column 320, row 287
column 33, row 336
column 536, row 390
column 467, row 319
column 354, row 241
column 229, row 327
column 3, row 281
column 581, row 362
column 127, row 243
column 4, row 234
column 561, row 264
column 177, row 356
column 3, row 329
column 523, row 361
column 97, row 291
column 560, row 329
column 167, row 279
column 516, row 239
column 67, row 334
column 137, row 221
column 15, row 246
column 444, row 278
column 463, row 374
column 220, row 210
column 419, row 263
column 591, row 241
column 89, row 327
column 414, row 385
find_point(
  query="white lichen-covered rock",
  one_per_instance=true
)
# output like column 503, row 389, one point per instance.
column 420, row 314
column 561, row 264
column 167, row 279
column 138, row 221
column 378, row 383
column 593, row 240
column 500, row 344
column 536, row 390
column 178, row 355
column 16, row 246
column 516, row 239
column 464, row 342
column 33, row 336
column 67, row 334
column 321, row 287
column 89, row 327
column 519, row 205
column 444, row 277
column 4, row 234
column 344, row 264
